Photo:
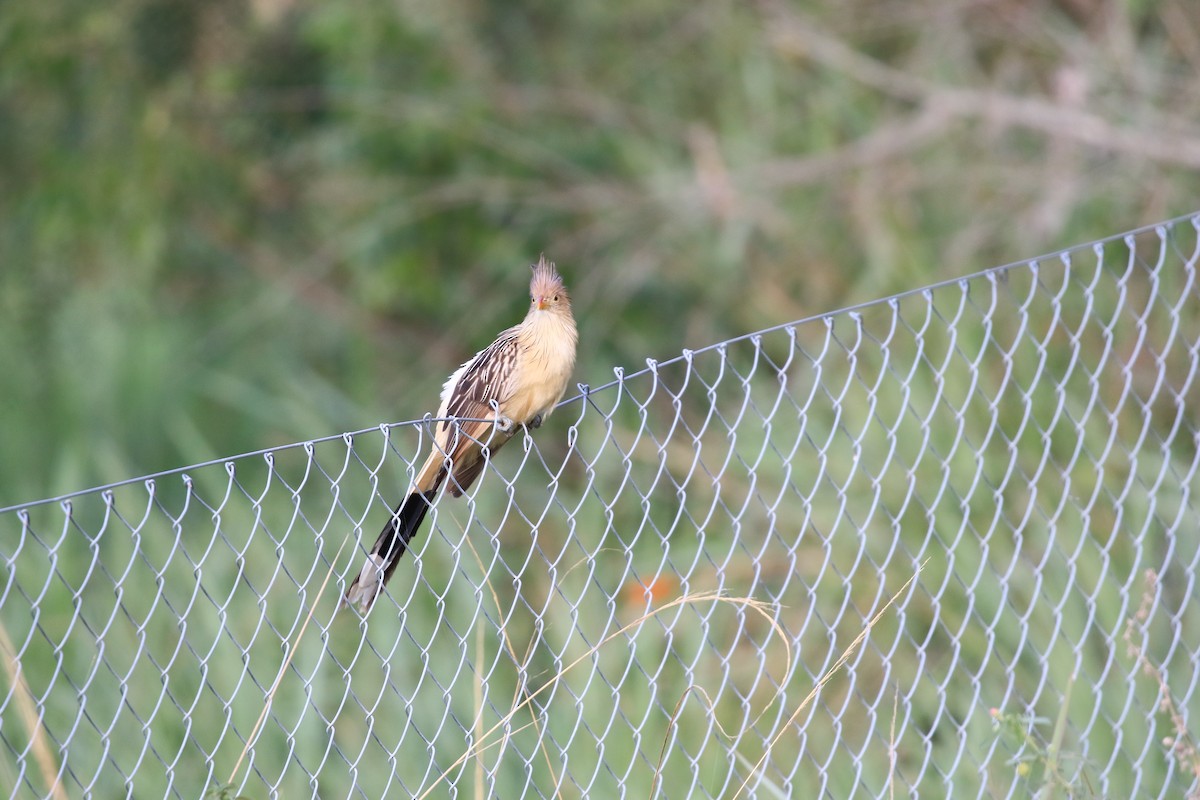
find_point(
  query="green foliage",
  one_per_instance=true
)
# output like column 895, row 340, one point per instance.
column 304, row 199
column 224, row 793
column 1037, row 760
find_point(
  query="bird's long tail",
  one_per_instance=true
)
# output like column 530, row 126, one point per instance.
column 401, row 527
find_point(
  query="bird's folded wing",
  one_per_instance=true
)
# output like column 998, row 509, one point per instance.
column 474, row 400
column 486, row 382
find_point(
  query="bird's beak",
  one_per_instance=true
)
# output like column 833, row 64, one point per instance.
column 541, row 304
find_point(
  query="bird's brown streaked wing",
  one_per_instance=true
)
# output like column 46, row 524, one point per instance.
column 479, row 394
column 488, row 380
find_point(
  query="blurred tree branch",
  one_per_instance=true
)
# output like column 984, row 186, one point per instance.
column 795, row 36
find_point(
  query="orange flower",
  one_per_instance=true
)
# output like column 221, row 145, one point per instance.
column 652, row 592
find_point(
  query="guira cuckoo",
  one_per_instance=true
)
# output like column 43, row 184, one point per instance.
column 516, row 381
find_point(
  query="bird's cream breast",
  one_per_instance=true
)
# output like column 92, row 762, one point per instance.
column 548, row 359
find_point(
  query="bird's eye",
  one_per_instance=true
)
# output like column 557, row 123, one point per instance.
column 556, row 298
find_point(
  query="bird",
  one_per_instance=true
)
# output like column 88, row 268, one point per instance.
column 514, row 383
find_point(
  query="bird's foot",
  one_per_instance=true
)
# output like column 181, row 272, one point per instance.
column 504, row 424
column 536, row 422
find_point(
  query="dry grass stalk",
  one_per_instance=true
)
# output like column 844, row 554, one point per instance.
column 757, row 606
column 29, row 716
column 825, row 678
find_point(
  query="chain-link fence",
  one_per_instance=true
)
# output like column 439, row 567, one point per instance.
column 653, row 596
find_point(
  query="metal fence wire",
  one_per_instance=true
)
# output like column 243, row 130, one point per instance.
column 942, row 544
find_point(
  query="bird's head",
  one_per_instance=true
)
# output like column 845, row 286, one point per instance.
column 547, row 290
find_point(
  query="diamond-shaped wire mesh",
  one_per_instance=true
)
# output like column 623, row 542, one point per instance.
column 1028, row 435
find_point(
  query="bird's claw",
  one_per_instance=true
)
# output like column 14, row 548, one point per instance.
column 536, row 422
column 504, row 424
